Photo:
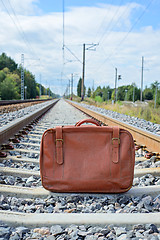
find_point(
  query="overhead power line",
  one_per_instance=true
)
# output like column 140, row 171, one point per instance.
column 110, row 23
column 19, row 28
column 63, row 30
column 73, row 54
column 124, row 38
column 103, row 21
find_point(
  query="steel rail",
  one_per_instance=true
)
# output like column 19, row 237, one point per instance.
column 10, row 102
column 150, row 140
column 9, row 130
column 47, row 219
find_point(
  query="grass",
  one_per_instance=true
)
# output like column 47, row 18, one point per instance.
column 141, row 110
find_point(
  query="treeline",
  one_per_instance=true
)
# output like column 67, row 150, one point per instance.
column 123, row 93
column 10, row 81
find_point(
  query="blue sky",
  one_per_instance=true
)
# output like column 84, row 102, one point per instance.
column 151, row 16
column 125, row 31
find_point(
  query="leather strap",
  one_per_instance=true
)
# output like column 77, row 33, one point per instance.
column 90, row 120
column 59, row 145
column 115, row 145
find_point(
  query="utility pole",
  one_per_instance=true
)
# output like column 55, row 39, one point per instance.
column 126, row 94
column 133, row 92
column 83, row 72
column 71, row 86
column 92, row 48
column 115, row 85
column 69, row 89
column 155, row 101
column 40, row 87
column 22, row 76
column 46, row 88
column 119, row 78
column 116, row 90
column 141, row 96
column 25, row 87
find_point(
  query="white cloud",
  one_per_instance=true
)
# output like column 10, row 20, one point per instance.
column 105, row 23
column 23, row 7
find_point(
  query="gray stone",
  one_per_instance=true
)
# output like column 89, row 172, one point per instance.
column 82, row 233
column 138, row 227
column 5, row 232
column 30, row 180
column 139, row 235
column 5, row 206
column 56, row 229
column 51, row 237
column 158, row 182
column 49, row 209
column 122, row 237
column 21, row 231
column 82, row 227
column 15, row 236
column 105, row 231
column 152, row 227
column 157, row 200
column 10, row 180
column 119, row 231
column 91, row 237
column 131, row 234
column 123, row 200
column 153, row 237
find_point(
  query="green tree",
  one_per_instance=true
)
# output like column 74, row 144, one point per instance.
column 37, row 90
column 30, row 82
column 148, row 94
column 106, row 93
column 79, row 86
column 8, row 89
column 2, row 75
column 89, row 92
column 155, row 86
column 99, row 91
column 6, row 61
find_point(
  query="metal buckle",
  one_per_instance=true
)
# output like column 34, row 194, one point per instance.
column 59, row 140
column 116, row 139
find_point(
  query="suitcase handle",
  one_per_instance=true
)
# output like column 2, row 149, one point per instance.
column 87, row 121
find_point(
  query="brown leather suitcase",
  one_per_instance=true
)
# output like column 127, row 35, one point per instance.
column 87, row 158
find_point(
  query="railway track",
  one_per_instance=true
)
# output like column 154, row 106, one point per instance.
column 46, row 215
column 145, row 138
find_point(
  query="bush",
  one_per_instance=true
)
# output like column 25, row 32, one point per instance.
column 98, row 99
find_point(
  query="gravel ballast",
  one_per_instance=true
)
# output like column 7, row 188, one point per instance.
column 134, row 121
column 81, row 232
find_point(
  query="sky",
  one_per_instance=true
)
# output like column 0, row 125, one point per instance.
column 116, row 34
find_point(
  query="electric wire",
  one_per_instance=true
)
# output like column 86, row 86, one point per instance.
column 110, row 23
column 124, row 38
column 19, row 30
column 73, row 55
column 22, row 32
column 11, row 18
column 103, row 21
column 63, row 31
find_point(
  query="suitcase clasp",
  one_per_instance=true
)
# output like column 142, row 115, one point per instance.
column 116, row 139
column 59, row 140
